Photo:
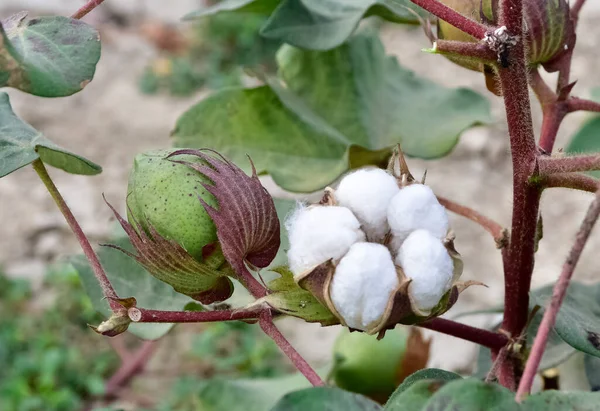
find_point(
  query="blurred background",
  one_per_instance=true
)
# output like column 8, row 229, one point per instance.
column 153, row 68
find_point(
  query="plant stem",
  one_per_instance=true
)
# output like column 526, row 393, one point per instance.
column 267, row 325
column 490, row 339
column 454, row 18
column 558, row 295
column 580, row 104
column 477, row 51
column 541, row 89
column 107, row 289
column 142, row 315
column 572, row 180
column 129, row 368
column 554, row 165
column 576, row 9
column 86, row 8
column 554, row 114
column 498, row 232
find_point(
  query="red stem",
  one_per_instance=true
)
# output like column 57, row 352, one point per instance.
column 572, row 180
column 498, row 232
column 490, row 339
column 576, row 9
column 86, row 8
column 556, row 165
column 267, row 325
column 142, row 315
column 580, row 104
column 554, row 114
column 541, row 89
column 107, row 289
column 558, row 295
column 477, row 51
column 129, row 368
column 453, row 17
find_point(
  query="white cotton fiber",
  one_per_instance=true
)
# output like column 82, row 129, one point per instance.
column 367, row 193
column 320, row 233
column 416, row 207
column 426, row 261
column 362, row 284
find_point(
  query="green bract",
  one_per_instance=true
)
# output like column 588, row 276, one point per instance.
column 164, row 194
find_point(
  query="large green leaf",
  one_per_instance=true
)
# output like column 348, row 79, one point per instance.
column 264, row 7
column 472, row 395
column 325, row 398
column 337, row 110
column 578, row 321
column 562, row 401
column 325, row 24
column 130, row 280
column 47, row 56
column 592, row 371
column 398, row 400
column 415, row 396
column 21, row 144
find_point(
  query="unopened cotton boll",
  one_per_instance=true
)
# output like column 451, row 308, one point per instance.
column 425, row 261
column 367, row 193
column 320, row 233
column 362, row 284
column 416, row 207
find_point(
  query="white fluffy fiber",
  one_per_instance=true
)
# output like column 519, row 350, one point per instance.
column 362, row 284
column 320, row 233
column 367, row 193
column 426, row 261
column 416, row 207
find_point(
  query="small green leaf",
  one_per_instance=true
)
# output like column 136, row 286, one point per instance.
column 47, row 56
column 592, row 371
column 578, row 321
column 471, row 395
column 414, row 396
column 325, row 398
column 325, row 24
column 21, row 144
column 264, row 7
column 338, row 110
column 561, row 401
column 130, row 279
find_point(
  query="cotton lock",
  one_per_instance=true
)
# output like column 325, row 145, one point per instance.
column 362, row 284
column 320, row 233
column 416, row 207
column 367, row 193
column 425, row 260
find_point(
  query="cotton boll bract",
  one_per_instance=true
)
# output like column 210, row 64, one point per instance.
column 425, row 260
column 362, row 284
column 416, row 207
column 320, row 233
column 367, row 193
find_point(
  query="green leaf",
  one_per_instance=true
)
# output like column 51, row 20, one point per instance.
column 47, row 56
column 415, row 396
column 325, row 24
column 264, row 7
column 587, row 140
column 325, row 398
column 578, row 321
column 21, row 144
column 471, row 395
column 338, row 110
column 130, row 279
column 426, row 374
column 562, row 401
column 592, row 371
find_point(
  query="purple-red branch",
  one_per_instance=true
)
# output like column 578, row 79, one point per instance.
column 142, row 315
column 454, row 18
column 574, row 181
column 86, row 8
column 490, row 339
column 570, row 164
column 129, row 368
column 558, row 295
column 580, row 104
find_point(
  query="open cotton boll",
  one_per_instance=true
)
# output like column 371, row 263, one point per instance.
column 362, row 284
column 425, row 260
column 416, row 207
column 320, row 233
column 367, row 193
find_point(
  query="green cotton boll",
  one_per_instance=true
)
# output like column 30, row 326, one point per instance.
column 164, row 195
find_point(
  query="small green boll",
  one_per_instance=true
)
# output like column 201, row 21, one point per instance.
column 164, row 194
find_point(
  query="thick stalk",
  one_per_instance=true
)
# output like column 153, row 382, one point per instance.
column 558, row 295
column 107, row 289
column 142, row 315
column 490, row 339
column 86, row 8
column 267, row 325
column 453, row 17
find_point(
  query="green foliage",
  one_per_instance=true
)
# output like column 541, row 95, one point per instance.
column 130, row 279
column 47, row 56
column 325, row 398
column 21, row 144
column 586, row 139
column 340, row 109
column 592, row 371
column 49, row 359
